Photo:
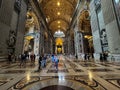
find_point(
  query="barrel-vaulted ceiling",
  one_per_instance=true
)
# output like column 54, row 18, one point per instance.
column 58, row 13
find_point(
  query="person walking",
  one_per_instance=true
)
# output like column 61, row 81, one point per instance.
column 44, row 60
column 32, row 57
column 23, row 60
column 56, row 63
column 105, row 55
column 9, row 58
column 53, row 60
column 39, row 62
column 101, row 57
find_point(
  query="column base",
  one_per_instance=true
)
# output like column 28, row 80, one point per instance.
column 96, row 56
column 114, row 57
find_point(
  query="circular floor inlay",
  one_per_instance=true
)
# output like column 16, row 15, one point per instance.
column 57, row 87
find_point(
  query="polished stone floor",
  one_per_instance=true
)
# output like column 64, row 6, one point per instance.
column 72, row 75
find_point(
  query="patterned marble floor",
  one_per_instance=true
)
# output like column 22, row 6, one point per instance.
column 72, row 75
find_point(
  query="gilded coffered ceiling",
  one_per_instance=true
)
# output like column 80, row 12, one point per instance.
column 58, row 13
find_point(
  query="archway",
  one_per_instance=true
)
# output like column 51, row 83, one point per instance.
column 31, row 38
column 59, row 46
column 85, row 29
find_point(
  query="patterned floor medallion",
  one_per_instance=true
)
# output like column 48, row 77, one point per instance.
column 84, row 80
column 89, row 82
column 70, row 74
column 113, row 79
column 115, row 82
column 24, row 82
column 4, row 80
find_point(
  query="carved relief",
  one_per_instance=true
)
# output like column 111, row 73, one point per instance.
column 97, row 3
column 12, row 39
column 103, row 36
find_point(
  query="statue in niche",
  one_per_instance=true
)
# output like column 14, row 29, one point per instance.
column 12, row 39
column 103, row 36
column 97, row 2
column 17, row 5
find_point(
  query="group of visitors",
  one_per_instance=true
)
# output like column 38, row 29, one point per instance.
column 11, row 58
column 87, row 57
column 55, row 61
column 103, row 56
column 24, row 57
column 42, row 61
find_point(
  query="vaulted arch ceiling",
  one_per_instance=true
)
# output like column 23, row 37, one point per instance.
column 58, row 11
column 58, row 25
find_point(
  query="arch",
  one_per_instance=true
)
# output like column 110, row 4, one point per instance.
column 44, row 2
column 57, row 19
column 75, row 85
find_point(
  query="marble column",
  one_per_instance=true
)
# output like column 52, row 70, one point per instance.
column 36, row 44
column 112, row 29
column 69, row 44
column 21, row 28
column 65, row 46
column 72, row 46
column 51, row 46
column 95, row 30
column 78, row 38
column 41, row 47
column 6, row 14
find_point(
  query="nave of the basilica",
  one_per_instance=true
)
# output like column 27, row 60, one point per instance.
column 59, row 44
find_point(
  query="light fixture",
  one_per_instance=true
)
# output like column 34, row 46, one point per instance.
column 58, row 13
column 58, row 3
column 59, row 26
column 87, row 36
column 58, row 22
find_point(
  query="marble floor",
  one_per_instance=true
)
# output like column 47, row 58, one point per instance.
column 72, row 75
